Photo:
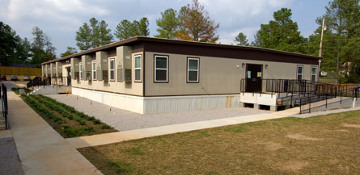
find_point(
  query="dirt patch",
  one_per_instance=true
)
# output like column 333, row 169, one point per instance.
column 272, row 146
column 350, row 125
column 343, row 130
column 302, row 137
column 294, row 165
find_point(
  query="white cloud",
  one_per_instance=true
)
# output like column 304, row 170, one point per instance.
column 56, row 9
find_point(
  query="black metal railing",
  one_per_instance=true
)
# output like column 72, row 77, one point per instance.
column 4, row 103
column 303, row 92
column 336, row 95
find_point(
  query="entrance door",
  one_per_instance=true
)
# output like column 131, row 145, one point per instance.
column 253, row 78
column 68, row 76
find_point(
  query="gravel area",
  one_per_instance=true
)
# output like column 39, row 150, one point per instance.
column 123, row 120
column 10, row 163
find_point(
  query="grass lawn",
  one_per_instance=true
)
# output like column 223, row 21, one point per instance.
column 319, row 145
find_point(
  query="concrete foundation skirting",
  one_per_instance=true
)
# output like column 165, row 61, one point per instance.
column 151, row 105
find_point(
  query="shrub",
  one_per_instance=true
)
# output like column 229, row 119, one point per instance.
column 105, row 126
column 96, row 121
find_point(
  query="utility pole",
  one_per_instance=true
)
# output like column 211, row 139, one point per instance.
column 321, row 43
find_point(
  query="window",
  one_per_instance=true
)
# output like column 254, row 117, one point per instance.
column 313, row 74
column 161, row 68
column 193, row 70
column 94, row 70
column 137, row 65
column 112, row 69
column 299, row 72
column 81, row 70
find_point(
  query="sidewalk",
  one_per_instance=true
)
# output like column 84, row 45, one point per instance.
column 41, row 149
column 102, row 139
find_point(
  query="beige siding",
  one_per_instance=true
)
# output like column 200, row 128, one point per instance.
column 132, row 88
column 217, row 75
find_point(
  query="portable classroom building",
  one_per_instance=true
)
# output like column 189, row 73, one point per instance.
column 151, row 75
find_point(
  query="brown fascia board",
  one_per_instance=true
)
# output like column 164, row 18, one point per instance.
column 136, row 39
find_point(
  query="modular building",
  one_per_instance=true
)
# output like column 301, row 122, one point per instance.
column 151, row 75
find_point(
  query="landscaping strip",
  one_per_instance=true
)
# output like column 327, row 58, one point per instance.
column 65, row 119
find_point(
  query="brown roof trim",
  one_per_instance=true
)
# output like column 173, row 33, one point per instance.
column 137, row 39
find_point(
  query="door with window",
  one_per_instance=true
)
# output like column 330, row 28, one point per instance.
column 253, row 78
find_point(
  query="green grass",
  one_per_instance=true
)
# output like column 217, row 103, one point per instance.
column 265, row 147
column 16, row 90
column 65, row 119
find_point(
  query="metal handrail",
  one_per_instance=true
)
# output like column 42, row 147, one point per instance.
column 4, row 104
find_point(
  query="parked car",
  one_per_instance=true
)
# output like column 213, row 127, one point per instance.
column 13, row 78
column 3, row 77
column 26, row 78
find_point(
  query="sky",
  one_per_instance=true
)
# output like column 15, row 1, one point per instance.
column 61, row 19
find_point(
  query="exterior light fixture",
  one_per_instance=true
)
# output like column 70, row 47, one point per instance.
column 243, row 65
column 266, row 66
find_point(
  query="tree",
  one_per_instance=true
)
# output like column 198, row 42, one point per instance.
column 69, row 51
column 196, row 24
column 343, row 21
column 41, row 47
column 143, row 27
column 241, row 39
column 93, row 35
column 126, row 29
column 281, row 33
column 341, row 37
column 168, row 24
column 13, row 49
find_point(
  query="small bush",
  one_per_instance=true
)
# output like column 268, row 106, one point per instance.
column 96, row 121
column 105, row 126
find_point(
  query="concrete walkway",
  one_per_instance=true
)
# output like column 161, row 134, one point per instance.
column 313, row 114
column 95, row 140
column 10, row 162
column 41, row 149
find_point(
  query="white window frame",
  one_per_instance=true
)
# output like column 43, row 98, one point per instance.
column 166, row 69
column 302, row 72
column 94, row 73
column 313, row 74
column 137, row 68
column 112, row 70
column 80, row 71
column 197, row 70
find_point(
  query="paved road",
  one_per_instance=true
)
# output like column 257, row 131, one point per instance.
column 125, row 120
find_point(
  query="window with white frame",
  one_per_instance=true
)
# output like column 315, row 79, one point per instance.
column 313, row 74
column 300, row 72
column 161, row 68
column 94, row 70
column 137, row 67
column 112, row 69
column 193, row 70
column 81, row 71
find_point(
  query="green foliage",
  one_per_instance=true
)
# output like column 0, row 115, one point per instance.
column 69, row 51
column 41, row 48
column 93, row 35
column 281, row 33
column 241, row 39
column 105, row 126
column 13, row 49
column 126, row 29
column 341, row 39
column 168, row 24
